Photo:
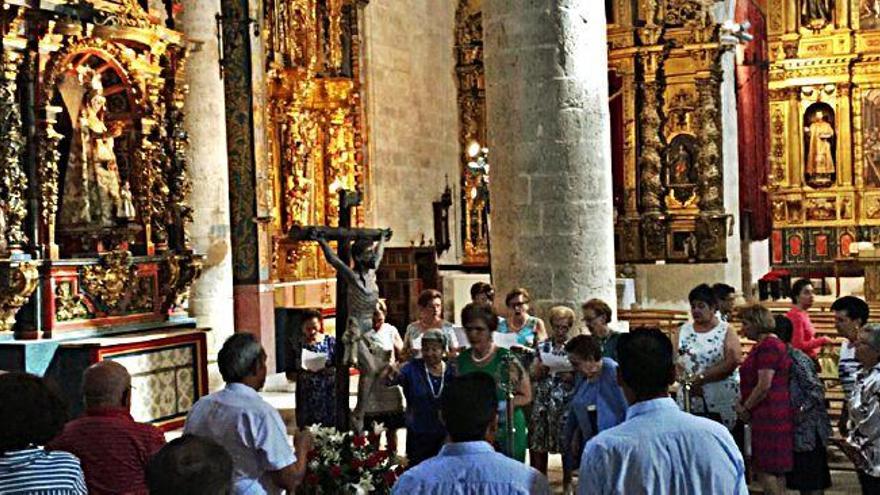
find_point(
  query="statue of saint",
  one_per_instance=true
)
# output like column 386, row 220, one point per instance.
column 820, row 161
column 816, row 14
column 93, row 193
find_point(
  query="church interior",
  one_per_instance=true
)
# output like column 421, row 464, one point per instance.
column 166, row 167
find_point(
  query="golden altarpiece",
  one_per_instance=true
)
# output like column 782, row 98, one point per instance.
column 664, row 93
column 824, row 129
column 315, row 123
column 94, row 212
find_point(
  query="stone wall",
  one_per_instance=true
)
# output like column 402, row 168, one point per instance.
column 412, row 116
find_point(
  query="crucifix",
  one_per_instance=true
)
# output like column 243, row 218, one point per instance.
column 356, row 291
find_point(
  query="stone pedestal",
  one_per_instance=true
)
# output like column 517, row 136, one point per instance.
column 549, row 135
column 211, row 296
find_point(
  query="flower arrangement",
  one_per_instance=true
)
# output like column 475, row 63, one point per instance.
column 350, row 463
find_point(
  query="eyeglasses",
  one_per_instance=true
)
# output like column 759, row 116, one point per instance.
column 517, row 304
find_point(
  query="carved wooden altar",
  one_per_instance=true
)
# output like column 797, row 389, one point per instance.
column 664, row 81
column 825, row 128
column 94, row 210
column 315, row 122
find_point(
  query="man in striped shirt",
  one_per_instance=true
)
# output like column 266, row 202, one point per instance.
column 113, row 448
column 32, row 414
column 850, row 314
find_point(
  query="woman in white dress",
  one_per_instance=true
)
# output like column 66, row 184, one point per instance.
column 709, row 353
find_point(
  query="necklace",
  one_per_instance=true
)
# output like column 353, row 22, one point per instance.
column 437, row 393
column 484, row 358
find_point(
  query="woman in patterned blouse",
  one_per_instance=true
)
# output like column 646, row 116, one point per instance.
column 812, row 428
column 552, row 393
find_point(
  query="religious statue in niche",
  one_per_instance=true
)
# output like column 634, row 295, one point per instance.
column 816, row 14
column 871, row 136
column 821, row 209
column 680, row 170
column 94, row 194
column 819, row 145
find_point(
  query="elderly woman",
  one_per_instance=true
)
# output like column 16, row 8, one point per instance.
column 430, row 317
column 709, row 352
column 529, row 329
column 803, row 335
column 315, row 389
column 862, row 445
column 484, row 356
column 812, row 428
column 422, row 380
column 598, row 402
column 597, row 315
column 30, row 421
column 377, row 403
column 766, row 402
column 552, row 391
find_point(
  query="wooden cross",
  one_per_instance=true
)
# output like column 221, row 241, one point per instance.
column 343, row 234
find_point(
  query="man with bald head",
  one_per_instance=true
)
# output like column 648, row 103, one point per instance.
column 113, row 449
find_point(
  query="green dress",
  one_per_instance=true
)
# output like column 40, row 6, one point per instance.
column 467, row 365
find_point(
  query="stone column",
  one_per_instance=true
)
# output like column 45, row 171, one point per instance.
column 550, row 147
column 211, row 296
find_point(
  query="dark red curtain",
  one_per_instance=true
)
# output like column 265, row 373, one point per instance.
column 753, row 119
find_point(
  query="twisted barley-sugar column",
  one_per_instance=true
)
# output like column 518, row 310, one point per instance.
column 548, row 124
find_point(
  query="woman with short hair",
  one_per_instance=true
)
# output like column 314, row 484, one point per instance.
column 484, row 356
column 766, row 402
column 552, row 391
column 597, row 315
column 423, row 380
column 430, row 304
column 709, row 353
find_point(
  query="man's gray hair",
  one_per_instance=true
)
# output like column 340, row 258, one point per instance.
column 873, row 331
column 238, row 357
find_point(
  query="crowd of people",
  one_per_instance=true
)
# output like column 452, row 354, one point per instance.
column 601, row 399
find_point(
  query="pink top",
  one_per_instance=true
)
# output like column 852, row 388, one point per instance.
column 803, row 335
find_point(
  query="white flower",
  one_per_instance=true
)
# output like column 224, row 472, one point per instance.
column 364, row 486
column 313, row 465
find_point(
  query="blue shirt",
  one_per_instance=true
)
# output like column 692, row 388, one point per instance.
column 661, row 450
column 471, row 468
column 605, row 394
column 422, row 407
column 37, row 472
column 249, row 429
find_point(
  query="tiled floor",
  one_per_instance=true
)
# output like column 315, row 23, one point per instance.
column 280, row 394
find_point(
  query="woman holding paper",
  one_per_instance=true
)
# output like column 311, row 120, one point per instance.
column 430, row 317
column 529, row 330
column 484, row 356
column 422, row 381
column 316, row 380
column 553, row 384
column 598, row 402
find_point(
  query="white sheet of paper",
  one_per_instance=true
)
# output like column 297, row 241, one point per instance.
column 556, row 363
column 417, row 343
column 461, row 335
column 313, row 361
column 505, row 340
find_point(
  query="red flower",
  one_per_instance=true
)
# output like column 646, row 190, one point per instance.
column 360, row 441
column 357, row 463
column 335, row 471
column 312, row 479
column 390, row 477
column 375, row 459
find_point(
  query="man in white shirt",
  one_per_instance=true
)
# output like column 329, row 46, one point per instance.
column 850, row 314
column 248, row 427
column 658, row 449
